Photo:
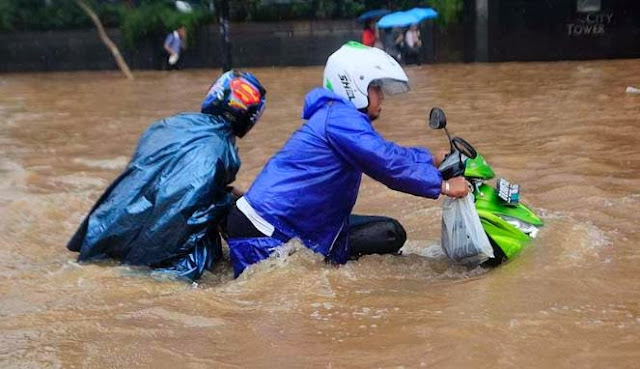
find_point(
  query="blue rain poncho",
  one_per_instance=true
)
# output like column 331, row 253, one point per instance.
column 308, row 189
column 162, row 211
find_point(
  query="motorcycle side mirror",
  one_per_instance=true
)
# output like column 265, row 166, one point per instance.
column 437, row 118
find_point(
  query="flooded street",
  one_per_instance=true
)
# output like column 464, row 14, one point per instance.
column 566, row 132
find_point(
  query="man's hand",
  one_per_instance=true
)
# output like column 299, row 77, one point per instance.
column 439, row 157
column 455, row 187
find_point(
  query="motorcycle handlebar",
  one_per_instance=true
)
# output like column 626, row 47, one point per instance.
column 464, row 147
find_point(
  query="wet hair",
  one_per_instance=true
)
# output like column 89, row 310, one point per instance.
column 368, row 24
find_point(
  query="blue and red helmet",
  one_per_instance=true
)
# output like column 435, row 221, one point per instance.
column 238, row 97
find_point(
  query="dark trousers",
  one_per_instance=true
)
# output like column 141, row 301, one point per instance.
column 412, row 55
column 367, row 234
column 176, row 66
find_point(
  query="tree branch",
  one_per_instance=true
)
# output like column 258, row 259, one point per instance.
column 105, row 38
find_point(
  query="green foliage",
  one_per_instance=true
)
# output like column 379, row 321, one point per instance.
column 137, row 23
column 24, row 15
column 152, row 17
column 37, row 15
column 157, row 17
column 449, row 10
column 256, row 10
column 6, row 15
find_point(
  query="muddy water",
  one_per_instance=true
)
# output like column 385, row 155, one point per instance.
column 566, row 131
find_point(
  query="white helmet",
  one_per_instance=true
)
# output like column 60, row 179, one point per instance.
column 354, row 66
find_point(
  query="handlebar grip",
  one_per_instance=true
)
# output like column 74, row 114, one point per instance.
column 451, row 166
column 451, row 172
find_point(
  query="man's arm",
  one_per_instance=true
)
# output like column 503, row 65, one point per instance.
column 409, row 170
column 166, row 44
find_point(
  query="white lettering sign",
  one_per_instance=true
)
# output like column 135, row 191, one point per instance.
column 590, row 24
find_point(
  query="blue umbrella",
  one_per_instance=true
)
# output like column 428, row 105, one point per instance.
column 372, row 14
column 398, row 19
column 423, row 13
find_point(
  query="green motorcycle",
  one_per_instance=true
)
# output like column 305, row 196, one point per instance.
column 509, row 224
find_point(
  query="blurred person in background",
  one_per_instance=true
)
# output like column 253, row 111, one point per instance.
column 394, row 43
column 369, row 34
column 413, row 43
column 174, row 44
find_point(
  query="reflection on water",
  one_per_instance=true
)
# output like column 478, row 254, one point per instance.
column 567, row 132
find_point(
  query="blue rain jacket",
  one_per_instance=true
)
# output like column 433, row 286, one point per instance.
column 162, row 211
column 308, row 189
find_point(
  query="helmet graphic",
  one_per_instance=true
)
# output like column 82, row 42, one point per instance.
column 354, row 66
column 239, row 97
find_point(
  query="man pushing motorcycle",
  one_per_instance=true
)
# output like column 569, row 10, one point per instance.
column 308, row 189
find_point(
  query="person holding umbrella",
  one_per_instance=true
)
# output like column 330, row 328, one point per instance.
column 412, row 45
column 370, row 34
column 407, row 44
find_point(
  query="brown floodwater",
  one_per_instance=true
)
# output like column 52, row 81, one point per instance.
column 566, row 131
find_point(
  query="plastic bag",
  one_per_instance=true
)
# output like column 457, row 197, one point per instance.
column 463, row 238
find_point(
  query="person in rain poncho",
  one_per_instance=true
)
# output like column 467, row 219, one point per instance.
column 163, row 210
column 308, row 189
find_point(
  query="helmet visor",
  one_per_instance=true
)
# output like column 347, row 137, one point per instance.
column 391, row 86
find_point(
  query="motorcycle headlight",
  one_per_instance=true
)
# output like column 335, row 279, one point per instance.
column 526, row 228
